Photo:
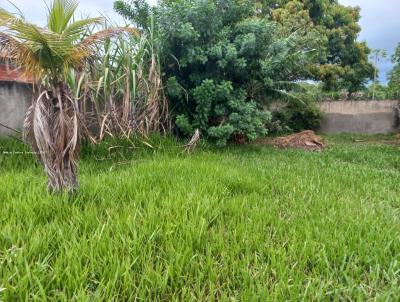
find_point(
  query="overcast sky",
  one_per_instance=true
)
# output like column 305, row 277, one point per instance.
column 380, row 20
column 380, row 23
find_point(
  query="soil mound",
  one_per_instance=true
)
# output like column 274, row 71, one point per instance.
column 306, row 140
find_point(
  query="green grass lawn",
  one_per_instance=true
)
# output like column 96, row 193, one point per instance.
column 241, row 224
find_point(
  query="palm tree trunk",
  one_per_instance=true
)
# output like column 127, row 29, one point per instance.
column 51, row 128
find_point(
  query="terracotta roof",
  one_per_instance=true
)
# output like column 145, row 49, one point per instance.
column 10, row 73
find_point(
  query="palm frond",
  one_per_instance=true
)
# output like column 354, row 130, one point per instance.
column 5, row 17
column 37, row 131
column 287, row 96
column 75, row 29
column 46, row 45
column 60, row 14
column 19, row 54
column 54, row 137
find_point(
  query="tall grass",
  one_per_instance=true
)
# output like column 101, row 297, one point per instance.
column 240, row 224
column 121, row 93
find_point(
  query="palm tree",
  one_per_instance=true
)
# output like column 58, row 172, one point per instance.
column 49, row 54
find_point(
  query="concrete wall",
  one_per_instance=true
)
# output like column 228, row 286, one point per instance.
column 14, row 99
column 370, row 117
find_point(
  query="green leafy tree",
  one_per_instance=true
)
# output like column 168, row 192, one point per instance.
column 138, row 11
column 221, row 60
column 394, row 75
column 376, row 56
column 342, row 61
column 378, row 91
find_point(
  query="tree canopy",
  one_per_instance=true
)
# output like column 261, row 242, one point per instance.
column 394, row 75
column 342, row 61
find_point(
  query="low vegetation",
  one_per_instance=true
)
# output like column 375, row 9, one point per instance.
column 247, row 223
column 215, row 68
column 157, row 220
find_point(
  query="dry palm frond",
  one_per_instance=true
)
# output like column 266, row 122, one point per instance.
column 53, row 134
column 155, row 114
column 191, row 145
column 306, row 140
column 19, row 53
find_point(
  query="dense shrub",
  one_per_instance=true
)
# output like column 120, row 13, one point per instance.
column 220, row 62
column 221, row 111
column 295, row 117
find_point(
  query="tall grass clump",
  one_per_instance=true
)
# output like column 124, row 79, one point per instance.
column 122, row 92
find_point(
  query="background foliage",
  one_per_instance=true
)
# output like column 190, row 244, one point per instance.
column 394, row 75
column 221, row 61
column 342, row 61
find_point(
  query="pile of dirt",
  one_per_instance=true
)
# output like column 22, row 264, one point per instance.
column 306, row 140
